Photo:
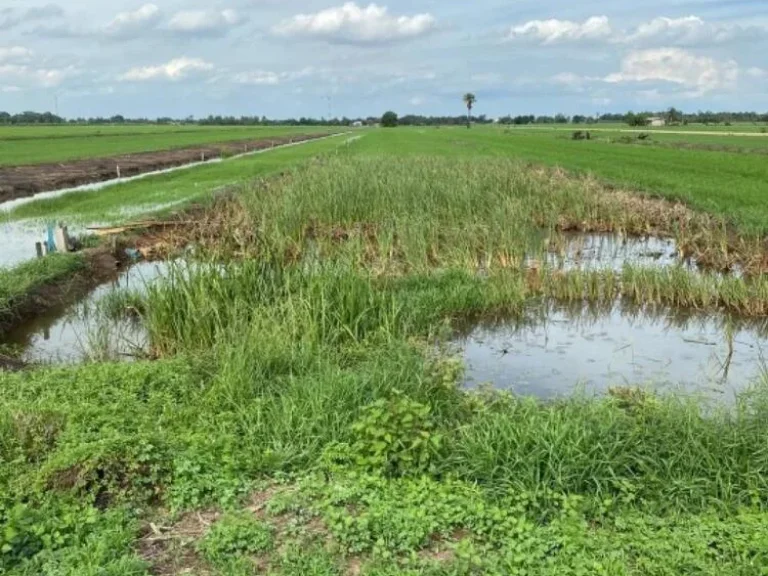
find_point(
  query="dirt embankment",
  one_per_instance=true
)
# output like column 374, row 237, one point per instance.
column 22, row 181
column 101, row 266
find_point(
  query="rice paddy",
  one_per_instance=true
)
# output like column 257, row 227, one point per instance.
column 416, row 353
column 37, row 145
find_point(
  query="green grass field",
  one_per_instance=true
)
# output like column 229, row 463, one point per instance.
column 724, row 140
column 36, row 145
column 750, row 127
column 728, row 184
column 303, row 411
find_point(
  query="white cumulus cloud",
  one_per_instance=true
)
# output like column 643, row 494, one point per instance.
column 203, row 21
column 668, row 29
column 29, row 75
column 127, row 24
column 176, row 69
column 553, row 31
column 698, row 73
column 355, row 24
column 14, row 54
column 690, row 31
column 684, row 31
column 269, row 78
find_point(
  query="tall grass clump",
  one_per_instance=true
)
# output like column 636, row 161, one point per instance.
column 201, row 306
column 671, row 286
column 660, row 452
column 421, row 211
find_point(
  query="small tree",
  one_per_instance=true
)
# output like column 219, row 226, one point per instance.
column 389, row 120
column 674, row 116
column 469, row 100
column 636, row 119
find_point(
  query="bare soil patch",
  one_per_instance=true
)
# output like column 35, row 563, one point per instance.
column 22, row 181
column 170, row 550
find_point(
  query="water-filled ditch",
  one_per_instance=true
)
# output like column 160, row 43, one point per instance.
column 79, row 331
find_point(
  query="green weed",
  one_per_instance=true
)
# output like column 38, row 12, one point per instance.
column 236, row 535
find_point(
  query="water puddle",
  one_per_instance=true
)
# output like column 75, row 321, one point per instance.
column 17, row 240
column 556, row 350
column 584, row 251
column 72, row 333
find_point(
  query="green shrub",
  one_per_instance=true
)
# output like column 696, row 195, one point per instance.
column 28, row 529
column 396, row 436
column 236, row 534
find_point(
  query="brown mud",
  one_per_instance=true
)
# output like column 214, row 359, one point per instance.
column 23, row 181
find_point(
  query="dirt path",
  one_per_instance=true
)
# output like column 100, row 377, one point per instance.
column 22, row 181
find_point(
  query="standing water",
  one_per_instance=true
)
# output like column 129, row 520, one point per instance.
column 74, row 332
column 560, row 349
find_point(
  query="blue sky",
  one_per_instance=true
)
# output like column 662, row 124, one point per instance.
column 286, row 58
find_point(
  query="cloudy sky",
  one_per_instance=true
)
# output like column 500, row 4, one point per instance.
column 286, row 58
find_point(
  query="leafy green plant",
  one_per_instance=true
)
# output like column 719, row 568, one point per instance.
column 396, row 436
column 28, row 529
column 312, row 562
column 236, row 534
column 110, row 470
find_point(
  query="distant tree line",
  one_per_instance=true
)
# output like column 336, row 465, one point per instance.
column 531, row 119
column 30, row 118
column 671, row 116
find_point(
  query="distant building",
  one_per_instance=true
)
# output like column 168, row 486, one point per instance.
column 357, row 124
column 656, row 121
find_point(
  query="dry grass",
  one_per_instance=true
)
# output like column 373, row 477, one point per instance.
column 170, row 550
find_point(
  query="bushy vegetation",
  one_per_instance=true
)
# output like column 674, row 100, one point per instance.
column 304, row 415
column 389, row 119
column 498, row 480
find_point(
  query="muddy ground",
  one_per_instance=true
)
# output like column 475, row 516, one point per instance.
column 22, row 181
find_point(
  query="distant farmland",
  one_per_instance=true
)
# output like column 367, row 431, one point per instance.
column 728, row 183
column 20, row 145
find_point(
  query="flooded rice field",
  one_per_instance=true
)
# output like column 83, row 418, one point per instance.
column 552, row 351
column 557, row 350
column 17, row 238
column 17, row 241
column 78, row 331
column 28, row 180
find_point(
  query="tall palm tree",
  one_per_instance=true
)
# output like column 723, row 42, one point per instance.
column 469, row 100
